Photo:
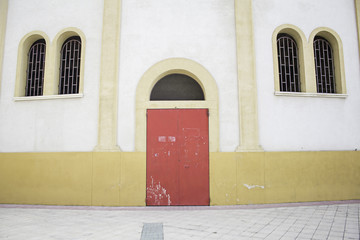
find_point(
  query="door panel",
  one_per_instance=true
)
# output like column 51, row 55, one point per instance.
column 162, row 157
column 194, row 157
column 177, row 157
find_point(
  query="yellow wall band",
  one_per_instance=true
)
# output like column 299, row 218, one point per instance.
column 119, row 178
column 277, row 177
column 86, row 178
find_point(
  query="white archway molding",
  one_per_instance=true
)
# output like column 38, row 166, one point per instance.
column 176, row 66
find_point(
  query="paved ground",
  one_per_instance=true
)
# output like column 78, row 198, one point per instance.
column 324, row 220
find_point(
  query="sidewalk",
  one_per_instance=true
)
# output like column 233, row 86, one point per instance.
column 321, row 220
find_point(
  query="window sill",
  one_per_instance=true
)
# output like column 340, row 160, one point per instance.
column 48, row 97
column 305, row 94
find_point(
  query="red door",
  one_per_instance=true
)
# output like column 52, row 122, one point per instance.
column 177, row 157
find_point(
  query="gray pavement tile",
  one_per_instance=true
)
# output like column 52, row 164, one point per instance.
column 301, row 222
column 352, row 235
column 333, row 238
column 291, row 235
column 352, row 231
column 260, row 235
column 305, row 235
column 337, row 229
column 336, row 234
column 353, row 225
column 324, row 228
column 322, row 234
column 287, row 238
column 318, row 238
column 273, row 237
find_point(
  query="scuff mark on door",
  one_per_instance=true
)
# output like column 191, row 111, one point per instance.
column 157, row 193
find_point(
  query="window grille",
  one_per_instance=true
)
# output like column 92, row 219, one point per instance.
column 324, row 66
column 288, row 61
column 70, row 66
column 35, row 69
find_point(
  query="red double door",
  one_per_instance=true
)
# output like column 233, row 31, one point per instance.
column 177, row 160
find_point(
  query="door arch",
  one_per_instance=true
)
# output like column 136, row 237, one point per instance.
column 176, row 66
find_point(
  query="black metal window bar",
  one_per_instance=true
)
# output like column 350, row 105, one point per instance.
column 288, row 61
column 70, row 66
column 324, row 66
column 35, row 69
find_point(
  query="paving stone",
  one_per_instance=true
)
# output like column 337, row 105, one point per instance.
column 332, row 221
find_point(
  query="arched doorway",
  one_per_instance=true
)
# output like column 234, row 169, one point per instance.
column 177, row 116
column 177, row 146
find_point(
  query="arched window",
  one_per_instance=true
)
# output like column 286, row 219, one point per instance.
column 70, row 55
column 288, row 62
column 324, row 66
column 35, row 69
column 175, row 87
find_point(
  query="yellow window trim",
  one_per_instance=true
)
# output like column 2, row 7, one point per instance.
column 176, row 66
column 22, row 60
column 306, row 61
column 53, row 69
column 336, row 44
column 52, row 61
column 301, row 42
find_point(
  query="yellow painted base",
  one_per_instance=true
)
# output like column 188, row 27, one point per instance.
column 119, row 178
column 94, row 178
column 277, row 177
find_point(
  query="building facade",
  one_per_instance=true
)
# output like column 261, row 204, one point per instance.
column 207, row 102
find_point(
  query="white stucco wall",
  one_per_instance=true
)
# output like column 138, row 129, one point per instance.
column 201, row 30
column 51, row 125
column 307, row 123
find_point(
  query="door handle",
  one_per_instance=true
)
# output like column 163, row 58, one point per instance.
column 186, row 166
